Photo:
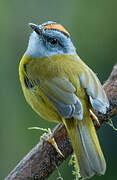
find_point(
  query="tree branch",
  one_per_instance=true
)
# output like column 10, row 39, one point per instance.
column 42, row 160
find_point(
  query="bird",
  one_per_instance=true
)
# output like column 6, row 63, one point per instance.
column 61, row 88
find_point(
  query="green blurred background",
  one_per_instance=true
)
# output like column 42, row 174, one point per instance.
column 93, row 27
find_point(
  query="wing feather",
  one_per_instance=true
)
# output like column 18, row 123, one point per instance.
column 95, row 91
column 61, row 93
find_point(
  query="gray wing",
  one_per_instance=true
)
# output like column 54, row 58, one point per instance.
column 61, row 93
column 95, row 91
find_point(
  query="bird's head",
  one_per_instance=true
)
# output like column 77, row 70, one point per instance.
column 49, row 39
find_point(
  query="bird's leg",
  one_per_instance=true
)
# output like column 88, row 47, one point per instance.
column 50, row 139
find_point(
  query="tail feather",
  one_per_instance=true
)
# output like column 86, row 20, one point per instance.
column 86, row 147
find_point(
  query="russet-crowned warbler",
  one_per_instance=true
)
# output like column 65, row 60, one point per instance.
column 60, row 87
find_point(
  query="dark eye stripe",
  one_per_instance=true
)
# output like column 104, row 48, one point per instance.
column 53, row 41
column 47, row 38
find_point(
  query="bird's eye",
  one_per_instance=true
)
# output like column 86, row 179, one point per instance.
column 53, row 41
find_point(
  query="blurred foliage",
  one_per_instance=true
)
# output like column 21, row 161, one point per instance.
column 93, row 28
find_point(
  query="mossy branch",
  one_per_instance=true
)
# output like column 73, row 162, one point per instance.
column 40, row 162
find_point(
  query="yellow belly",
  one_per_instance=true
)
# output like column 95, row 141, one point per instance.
column 40, row 103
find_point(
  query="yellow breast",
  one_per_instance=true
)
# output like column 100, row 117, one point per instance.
column 47, row 68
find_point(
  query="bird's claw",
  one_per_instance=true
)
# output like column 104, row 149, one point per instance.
column 48, row 137
column 94, row 117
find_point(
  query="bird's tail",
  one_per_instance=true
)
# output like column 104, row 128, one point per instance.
column 86, row 147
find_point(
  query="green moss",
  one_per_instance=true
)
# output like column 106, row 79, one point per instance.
column 76, row 171
column 110, row 123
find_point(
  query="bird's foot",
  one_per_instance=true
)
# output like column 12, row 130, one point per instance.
column 48, row 137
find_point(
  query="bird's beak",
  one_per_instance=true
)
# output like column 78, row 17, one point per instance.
column 36, row 28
